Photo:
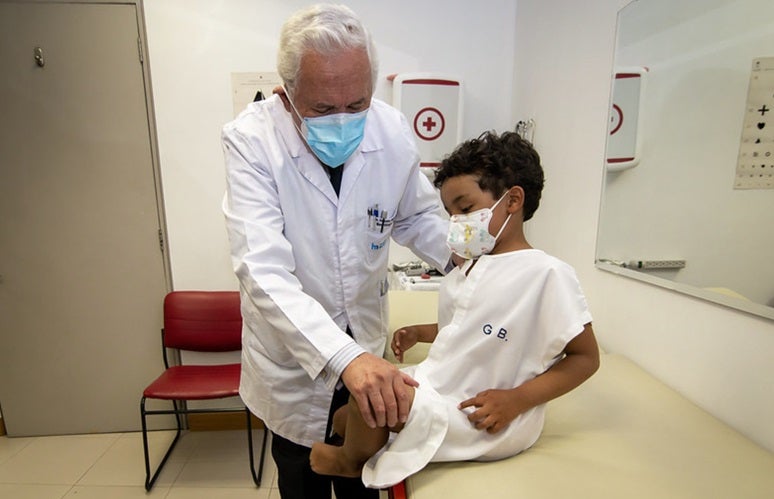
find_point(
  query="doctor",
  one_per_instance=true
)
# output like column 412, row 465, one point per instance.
column 319, row 177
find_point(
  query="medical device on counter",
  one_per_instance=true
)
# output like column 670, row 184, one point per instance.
column 415, row 276
column 424, row 282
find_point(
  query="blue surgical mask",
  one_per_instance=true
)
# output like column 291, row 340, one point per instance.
column 333, row 138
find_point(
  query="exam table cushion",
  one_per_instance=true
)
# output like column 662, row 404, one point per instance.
column 621, row 434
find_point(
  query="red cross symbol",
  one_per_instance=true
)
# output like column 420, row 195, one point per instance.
column 616, row 119
column 429, row 123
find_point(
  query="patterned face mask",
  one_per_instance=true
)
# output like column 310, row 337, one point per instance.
column 469, row 235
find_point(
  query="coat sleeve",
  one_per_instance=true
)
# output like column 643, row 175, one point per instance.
column 299, row 330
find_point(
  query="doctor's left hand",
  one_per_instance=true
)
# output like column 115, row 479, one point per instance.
column 379, row 389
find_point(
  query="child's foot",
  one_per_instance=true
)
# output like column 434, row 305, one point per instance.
column 330, row 460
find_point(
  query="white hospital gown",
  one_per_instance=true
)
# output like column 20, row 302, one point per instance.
column 506, row 322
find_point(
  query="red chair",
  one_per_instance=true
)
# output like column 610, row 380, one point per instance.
column 198, row 321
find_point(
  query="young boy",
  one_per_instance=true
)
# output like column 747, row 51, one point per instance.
column 513, row 331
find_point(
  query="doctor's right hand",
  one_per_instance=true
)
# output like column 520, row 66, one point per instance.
column 379, row 389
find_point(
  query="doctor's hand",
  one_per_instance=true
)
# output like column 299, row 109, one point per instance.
column 495, row 409
column 379, row 389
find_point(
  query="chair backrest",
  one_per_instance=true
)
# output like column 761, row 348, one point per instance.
column 203, row 321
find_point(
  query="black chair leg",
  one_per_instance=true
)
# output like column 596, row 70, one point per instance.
column 256, row 477
column 150, row 480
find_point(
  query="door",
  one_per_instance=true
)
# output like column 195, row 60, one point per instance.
column 82, row 275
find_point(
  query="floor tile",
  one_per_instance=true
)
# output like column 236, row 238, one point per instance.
column 221, row 459
column 116, row 492
column 215, row 474
column 32, row 491
column 59, row 460
column 219, row 493
column 9, row 447
column 123, row 464
column 203, row 465
column 230, row 445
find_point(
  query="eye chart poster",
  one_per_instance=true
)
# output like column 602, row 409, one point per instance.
column 755, row 166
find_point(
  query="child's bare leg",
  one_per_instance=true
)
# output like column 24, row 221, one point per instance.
column 340, row 420
column 360, row 443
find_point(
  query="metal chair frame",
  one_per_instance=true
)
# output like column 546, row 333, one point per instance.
column 179, row 410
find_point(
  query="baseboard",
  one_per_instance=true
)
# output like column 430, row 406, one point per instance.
column 221, row 421
column 205, row 422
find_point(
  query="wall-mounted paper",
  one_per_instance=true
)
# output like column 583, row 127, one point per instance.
column 755, row 166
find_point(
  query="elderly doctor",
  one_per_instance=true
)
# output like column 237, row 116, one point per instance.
column 319, row 177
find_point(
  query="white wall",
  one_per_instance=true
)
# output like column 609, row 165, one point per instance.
column 195, row 45
column 718, row 357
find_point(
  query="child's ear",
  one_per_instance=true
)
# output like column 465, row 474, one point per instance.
column 515, row 199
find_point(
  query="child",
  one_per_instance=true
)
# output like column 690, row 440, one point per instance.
column 513, row 331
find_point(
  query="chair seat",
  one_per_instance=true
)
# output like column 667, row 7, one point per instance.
column 190, row 382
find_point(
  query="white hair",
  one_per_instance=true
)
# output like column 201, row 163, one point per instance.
column 323, row 28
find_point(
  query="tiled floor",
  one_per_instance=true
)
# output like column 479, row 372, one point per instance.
column 204, row 465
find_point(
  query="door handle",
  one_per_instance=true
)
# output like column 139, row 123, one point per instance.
column 39, row 57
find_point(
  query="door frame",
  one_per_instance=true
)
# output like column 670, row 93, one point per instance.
column 150, row 111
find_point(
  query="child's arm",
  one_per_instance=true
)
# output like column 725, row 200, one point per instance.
column 495, row 409
column 406, row 337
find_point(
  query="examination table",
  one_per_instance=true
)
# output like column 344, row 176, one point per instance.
column 622, row 434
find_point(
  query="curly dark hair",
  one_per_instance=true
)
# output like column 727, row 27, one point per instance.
column 500, row 162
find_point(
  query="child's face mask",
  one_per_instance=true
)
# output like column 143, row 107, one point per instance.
column 332, row 138
column 469, row 235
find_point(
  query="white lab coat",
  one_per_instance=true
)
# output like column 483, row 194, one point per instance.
column 309, row 263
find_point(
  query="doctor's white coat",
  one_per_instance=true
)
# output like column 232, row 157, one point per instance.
column 310, row 263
